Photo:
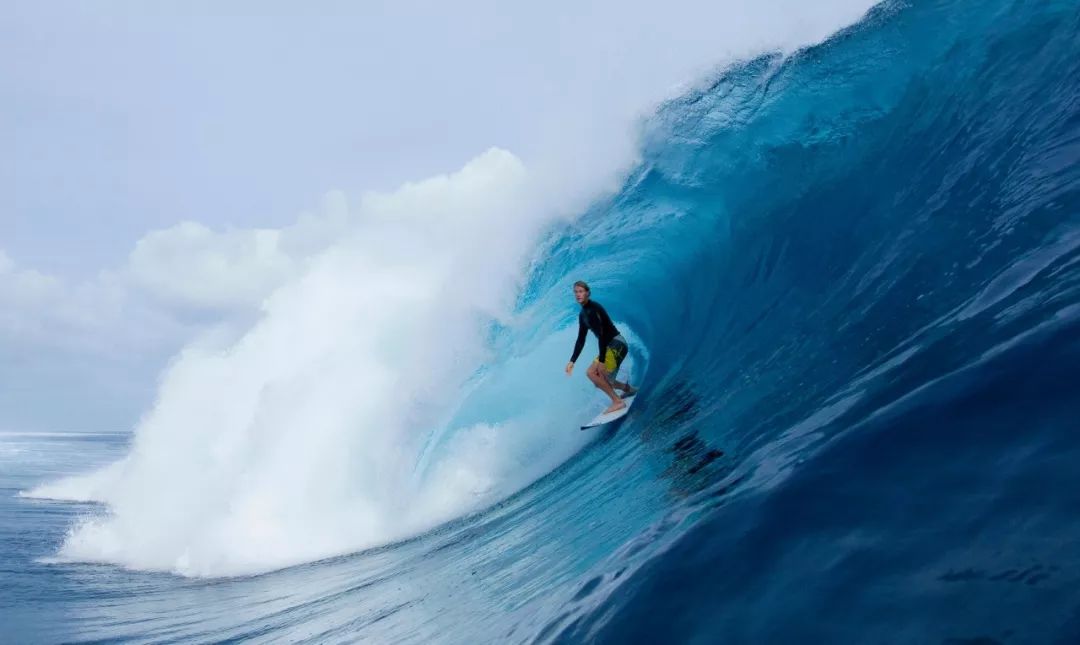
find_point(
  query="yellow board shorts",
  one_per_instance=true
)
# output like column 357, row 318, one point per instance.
column 613, row 357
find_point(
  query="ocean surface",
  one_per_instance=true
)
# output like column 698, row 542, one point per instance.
column 851, row 277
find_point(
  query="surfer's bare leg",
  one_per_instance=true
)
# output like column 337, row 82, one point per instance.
column 599, row 379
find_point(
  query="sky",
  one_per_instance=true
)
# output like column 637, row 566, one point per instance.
column 165, row 166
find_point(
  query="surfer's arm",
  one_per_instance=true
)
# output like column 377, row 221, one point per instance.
column 580, row 344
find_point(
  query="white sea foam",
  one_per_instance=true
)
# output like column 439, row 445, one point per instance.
column 299, row 439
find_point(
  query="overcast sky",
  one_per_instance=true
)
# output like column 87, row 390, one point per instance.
column 121, row 119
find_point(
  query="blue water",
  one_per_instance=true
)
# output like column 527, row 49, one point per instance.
column 857, row 271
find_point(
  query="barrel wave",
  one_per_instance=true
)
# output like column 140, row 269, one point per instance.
column 857, row 271
column 851, row 281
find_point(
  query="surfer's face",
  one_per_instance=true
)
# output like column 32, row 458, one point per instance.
column 581, row 295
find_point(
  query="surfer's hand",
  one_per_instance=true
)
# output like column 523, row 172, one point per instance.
column 569, row 368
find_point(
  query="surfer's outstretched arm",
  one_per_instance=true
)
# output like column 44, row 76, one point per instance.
column 578, row 346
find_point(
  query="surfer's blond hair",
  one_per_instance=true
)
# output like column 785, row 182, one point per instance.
column 583, row 285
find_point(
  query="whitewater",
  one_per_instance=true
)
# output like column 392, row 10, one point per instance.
column 846, row 252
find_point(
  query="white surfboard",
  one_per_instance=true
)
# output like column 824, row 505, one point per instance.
column 606, row 418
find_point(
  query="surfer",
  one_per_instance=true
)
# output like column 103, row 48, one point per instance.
column 613, row 348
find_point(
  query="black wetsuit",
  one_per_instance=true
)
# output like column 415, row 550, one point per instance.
column 594, row 317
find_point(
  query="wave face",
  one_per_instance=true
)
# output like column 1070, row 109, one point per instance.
column 856, row 272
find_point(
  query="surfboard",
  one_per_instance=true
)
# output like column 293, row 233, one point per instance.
column 606, row 418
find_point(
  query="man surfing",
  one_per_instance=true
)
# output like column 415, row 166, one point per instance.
column 613, row 348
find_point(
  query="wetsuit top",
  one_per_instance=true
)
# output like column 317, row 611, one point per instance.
column 594, row 317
